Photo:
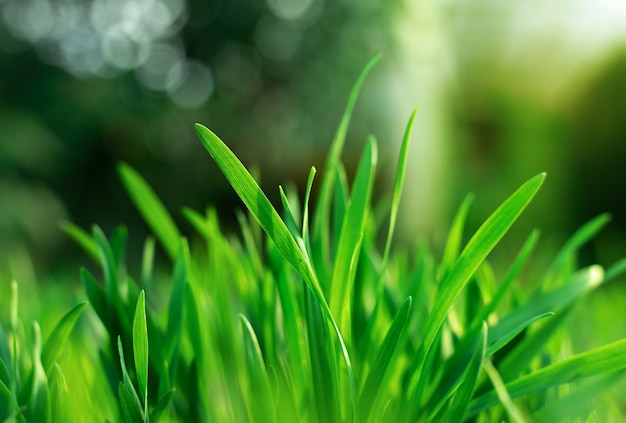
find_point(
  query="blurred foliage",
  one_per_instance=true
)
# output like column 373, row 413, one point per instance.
column 504, row 91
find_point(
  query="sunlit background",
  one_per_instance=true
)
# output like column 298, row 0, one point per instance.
column 504, row 90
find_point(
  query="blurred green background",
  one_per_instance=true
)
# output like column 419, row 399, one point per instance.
column 504, row 89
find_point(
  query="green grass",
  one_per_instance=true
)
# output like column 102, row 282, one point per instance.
column 304, row 317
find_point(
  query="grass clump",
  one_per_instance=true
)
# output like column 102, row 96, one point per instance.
column 304, row 318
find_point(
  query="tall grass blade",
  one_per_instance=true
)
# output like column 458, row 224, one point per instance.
column 350, row 239
column 140, row 346
column 151, row 208
column 259, row 394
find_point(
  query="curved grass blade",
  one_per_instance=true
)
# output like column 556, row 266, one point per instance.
column 374, row 387
column 580, row 237
column 476, row 250
column 151, row 208
column 254, row 199
column 577, row 285
column 259, row 396
column 140, row 347
column 605, row 359
column 496, row 343
column 58, row 339
column 83, row 239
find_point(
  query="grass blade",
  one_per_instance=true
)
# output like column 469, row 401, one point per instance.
column 161, row 406
column 130, row 409
column 467, row 382
column 605, row 359
column 255, row 200
column 57, row 341
column 259, row 395
column 546, row 302
column 140, row 347
column 82, row 238
column 374, row 387
column 580, row 237
column 476, row 250
column 151, row 208
column 350, row 239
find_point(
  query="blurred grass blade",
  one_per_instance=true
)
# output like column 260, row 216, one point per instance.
column 476, row 250
column 147, row 262
column 161, row 406
column 83, row 239
column 39, row 407
column 516, row 415
column 605, row 359
column 375, row 387
column 546, row 302
column 128, row 384
column 151, row 208
column 592, row 417
column 176, row 305
column 140, row 347
column 59, row 395
column 58, row 339
column 96, row 295
column 130, row 410
column 575, row 403
column 259, row 395
column 496, row 343
column 464, row 388
column 580, row 237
